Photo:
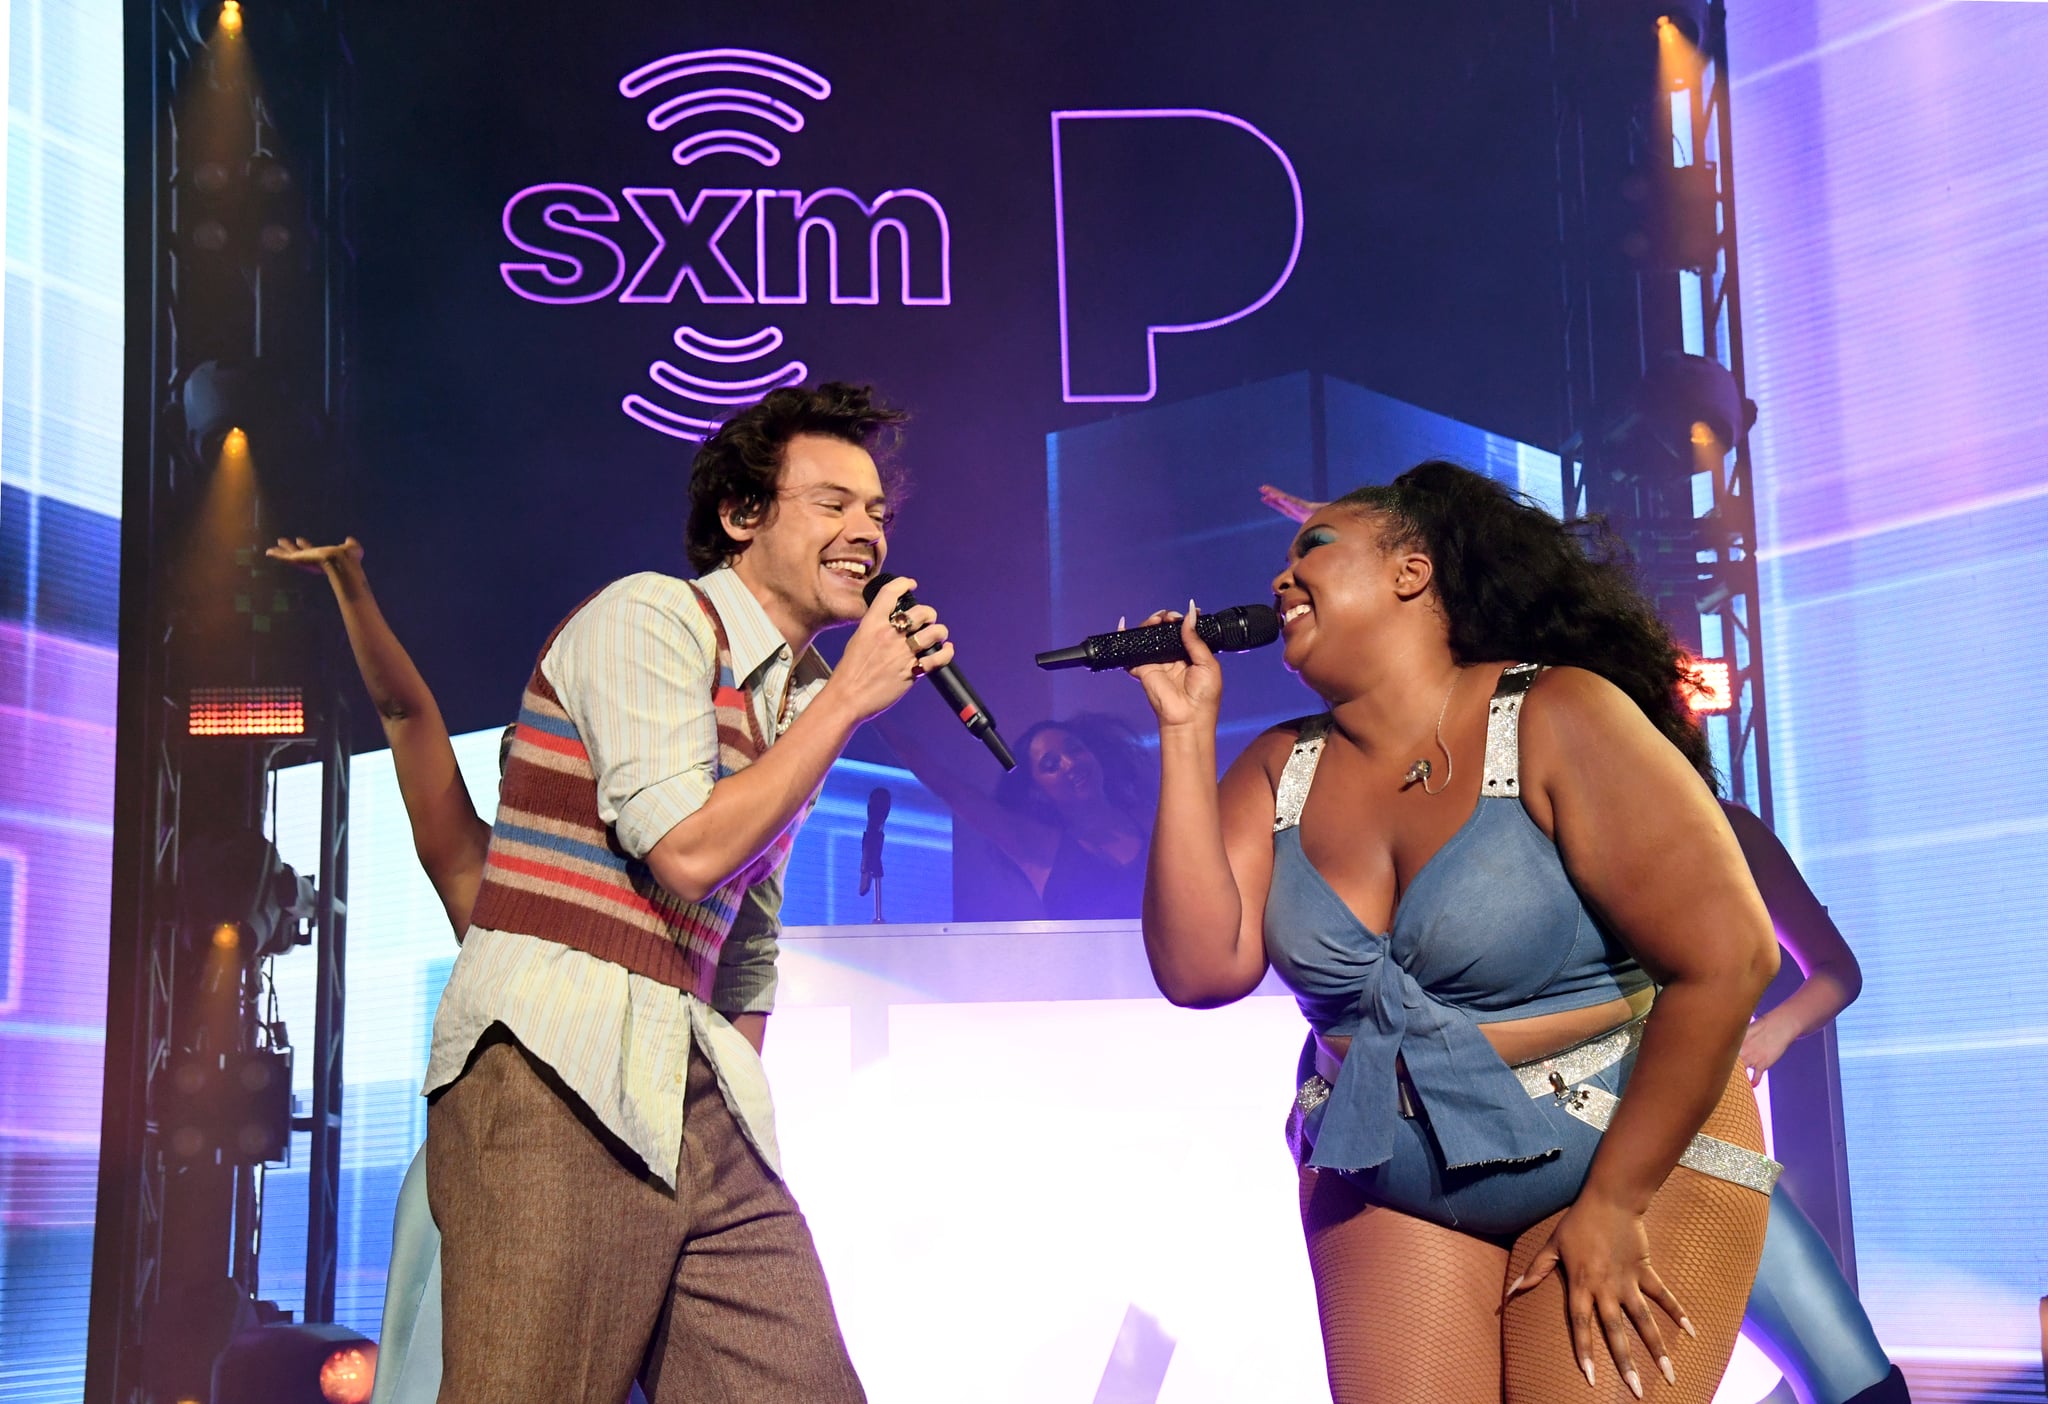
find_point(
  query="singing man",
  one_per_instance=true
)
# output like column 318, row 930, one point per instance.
column 601, row 1154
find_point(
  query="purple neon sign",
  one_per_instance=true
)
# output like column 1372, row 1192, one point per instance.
column 794, row 216
column 576, row 246
column 575, row 261
column 681, row 109
column 706, row 393
column 1154, row 331
column 674, row 228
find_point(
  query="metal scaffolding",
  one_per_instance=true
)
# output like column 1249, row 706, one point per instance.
column 1649, row 282
column 240, row 285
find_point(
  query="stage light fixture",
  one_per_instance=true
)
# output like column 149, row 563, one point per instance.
column 227, row 1108
column 217, row 399
column 286, row 1363
column 1686, row 408
column 1681, row 22
column 246, row 711
column 237, row 879
column 230, row 18
column 348, row 1375
column 1709, row 686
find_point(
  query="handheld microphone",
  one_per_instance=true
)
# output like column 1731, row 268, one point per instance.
column 1230, row 630
column 953, row 687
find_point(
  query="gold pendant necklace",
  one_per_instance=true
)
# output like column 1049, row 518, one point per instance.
column 1420, row 771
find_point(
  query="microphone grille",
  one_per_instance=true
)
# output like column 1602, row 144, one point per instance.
column 1261, row 625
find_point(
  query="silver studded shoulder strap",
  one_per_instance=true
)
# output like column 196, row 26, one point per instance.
column 1299, row 773
column 1503, row 775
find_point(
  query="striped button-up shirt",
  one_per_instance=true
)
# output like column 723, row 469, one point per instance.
column 634, row 669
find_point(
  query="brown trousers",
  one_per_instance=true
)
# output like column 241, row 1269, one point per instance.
column 567, row 1271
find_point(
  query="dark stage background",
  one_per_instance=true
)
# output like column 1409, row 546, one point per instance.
column 498, row 480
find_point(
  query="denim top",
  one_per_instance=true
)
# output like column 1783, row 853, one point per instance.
column 1490, row 928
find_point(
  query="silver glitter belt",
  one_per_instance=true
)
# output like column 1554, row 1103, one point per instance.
column 1558, row 1076
column 1582, row 1060
column 1555, row 1076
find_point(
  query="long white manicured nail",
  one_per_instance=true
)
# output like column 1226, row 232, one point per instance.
column 1586, row 1364
column 1120, row 623
column 1635, row 1385
column 1664, row 1364
column 1516, row 1285
column 1685, row 1325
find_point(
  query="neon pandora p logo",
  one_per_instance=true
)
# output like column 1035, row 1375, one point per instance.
column 723, row 245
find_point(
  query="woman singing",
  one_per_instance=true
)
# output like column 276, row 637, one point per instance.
column 1524, row 940
column 1802, row 1311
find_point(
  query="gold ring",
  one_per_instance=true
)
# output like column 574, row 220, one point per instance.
column 900, row 622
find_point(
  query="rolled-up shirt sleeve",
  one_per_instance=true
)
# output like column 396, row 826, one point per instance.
column 633, row 672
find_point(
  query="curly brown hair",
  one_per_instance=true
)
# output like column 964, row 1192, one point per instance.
column 1517, row 583
column 740, row 465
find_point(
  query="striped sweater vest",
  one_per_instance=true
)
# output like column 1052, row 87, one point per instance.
column 555, row 870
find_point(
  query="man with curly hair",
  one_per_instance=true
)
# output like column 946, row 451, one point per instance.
column 601, row 1153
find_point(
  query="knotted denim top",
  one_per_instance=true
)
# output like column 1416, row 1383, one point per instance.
column 1491, row 928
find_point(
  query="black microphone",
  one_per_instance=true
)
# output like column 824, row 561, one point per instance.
column 1230, row 630
column 871, row 840
column 959, row 696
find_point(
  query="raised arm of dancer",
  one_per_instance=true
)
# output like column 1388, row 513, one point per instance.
column 1645, row 842
column 1833, row 978
column 446, row 833
column 1295, row 509
column 1212, row 846
column 1029, row 843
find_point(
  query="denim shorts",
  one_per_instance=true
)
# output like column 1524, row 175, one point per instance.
column 1498, row 1201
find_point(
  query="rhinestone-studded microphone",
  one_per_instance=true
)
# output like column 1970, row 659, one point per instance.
column 1230, row 630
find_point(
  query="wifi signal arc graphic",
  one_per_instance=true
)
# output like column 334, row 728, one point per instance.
column 704, row 394
column 686, row 107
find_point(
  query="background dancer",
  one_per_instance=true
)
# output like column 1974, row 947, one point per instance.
column 450, row 840
column 1074, row 818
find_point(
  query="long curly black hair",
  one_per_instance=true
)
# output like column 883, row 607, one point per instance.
column 1515, row 583
column 741, row 464
column 1129, row 780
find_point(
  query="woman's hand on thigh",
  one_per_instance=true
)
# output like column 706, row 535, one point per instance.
column 1603, row 1251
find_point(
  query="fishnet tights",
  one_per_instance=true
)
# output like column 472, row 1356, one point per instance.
column 1411, row 1312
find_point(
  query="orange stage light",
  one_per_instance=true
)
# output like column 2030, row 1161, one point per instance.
column 1713, row 689
column 230, row 17
column 246, row 711
column 348, row 1375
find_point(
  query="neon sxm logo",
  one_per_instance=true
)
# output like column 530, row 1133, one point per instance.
column 575, row 236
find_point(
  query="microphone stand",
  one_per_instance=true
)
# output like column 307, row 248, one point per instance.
column 871, row 848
